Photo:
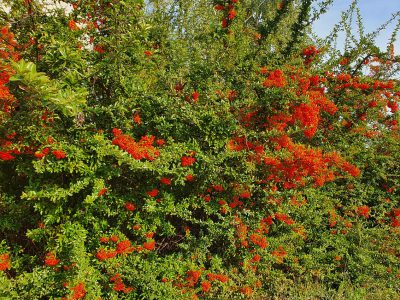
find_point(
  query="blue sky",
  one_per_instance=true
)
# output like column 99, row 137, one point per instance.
column 373, row 12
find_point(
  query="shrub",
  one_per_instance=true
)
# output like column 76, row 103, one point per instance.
column 160, row 150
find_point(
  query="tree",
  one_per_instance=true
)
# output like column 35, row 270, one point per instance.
column 210, row 149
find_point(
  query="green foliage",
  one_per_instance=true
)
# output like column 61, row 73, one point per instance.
column 182, row 149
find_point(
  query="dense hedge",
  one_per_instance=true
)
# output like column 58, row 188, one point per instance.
column 184, row 149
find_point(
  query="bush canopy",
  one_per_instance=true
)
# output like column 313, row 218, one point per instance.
column 175, row 149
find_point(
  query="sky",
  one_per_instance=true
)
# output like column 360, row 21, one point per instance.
column 373, row 12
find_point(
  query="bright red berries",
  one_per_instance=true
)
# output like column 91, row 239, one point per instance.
column 393, row 106
column 99, row 49
column 395, row 217
column 231, row 14
column 104, row 239
column 4, row 261
column 72, row 25
column 192, row 277
column 279, row 254
column 218, row 188
column 224, row 23
column 78, row 291
column 160, row 142
column 59, row 154
column 143, row 149
column 114, row 238
column 310, row 50
column 149, row 245
column 136, row 119
column 235, row 202
column 149, row 235
column 256, row 258
column 220, row 277
column 6, row 155
column 50, row 260
column 206, row 286
column 43, row 153
column 102, row 254
column 259, row 240
column 130, row 206
column 189, row 177
column 373, row 103
column 165, row 180
column 119, row 286
column 309, row 54
column 102, row 192
column 136, row 227
column 195, row 96
column 152, row 193
column 275, row 79
column 124, row 247
column 187, row 161
column 363, row 211
column 245, row 195
column 284, row 218
column 247, row 291
column 350, row 169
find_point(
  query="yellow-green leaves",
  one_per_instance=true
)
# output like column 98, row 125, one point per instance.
column 47, row 92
